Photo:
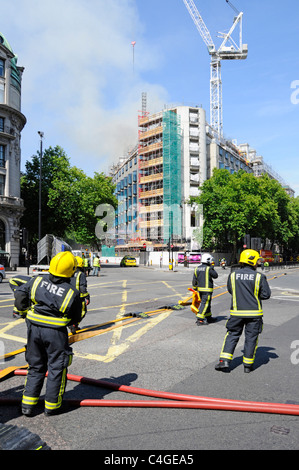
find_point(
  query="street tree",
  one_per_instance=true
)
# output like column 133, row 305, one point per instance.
column 240, row 203
column 69, row 198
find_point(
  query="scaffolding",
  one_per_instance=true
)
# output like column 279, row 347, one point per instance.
column 150, row 150
column 172, row 186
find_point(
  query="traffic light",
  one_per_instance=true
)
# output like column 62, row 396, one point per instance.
column 170, row 246
column 23, row 236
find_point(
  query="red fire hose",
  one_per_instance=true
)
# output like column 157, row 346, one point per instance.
column 267, row 408
column 175, row 400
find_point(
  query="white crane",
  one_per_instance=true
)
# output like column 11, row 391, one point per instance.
column 228, row 50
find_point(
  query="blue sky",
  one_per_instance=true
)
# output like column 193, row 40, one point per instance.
column 80, row 87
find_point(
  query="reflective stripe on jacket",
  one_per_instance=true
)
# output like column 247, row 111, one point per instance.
column 247, row 288
column 203, row 278
column 80, row 283
column 50, row 301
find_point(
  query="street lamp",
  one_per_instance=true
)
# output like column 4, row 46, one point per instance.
column 41, row 134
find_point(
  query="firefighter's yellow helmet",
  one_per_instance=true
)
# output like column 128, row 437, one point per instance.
column 63, row 264
column 250, row 257
column 79, row 261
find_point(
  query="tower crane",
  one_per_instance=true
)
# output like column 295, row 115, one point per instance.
column 228, row 50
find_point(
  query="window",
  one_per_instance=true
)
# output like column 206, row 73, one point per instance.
column 2, row 67
column 2, row 156
column 2, row 184
column 2, row 235
column 1, row 92
column 193, row 220
column 1, row 124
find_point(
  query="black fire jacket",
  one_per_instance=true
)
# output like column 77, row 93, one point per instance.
column 248, row 288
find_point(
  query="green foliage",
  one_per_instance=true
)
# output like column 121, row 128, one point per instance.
column 69, row 198
column 240, row 203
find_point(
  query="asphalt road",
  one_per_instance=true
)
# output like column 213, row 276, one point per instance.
column 166, row 352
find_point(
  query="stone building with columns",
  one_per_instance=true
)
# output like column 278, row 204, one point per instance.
column 12, row 121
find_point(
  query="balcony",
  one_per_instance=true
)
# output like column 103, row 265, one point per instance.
column 7, row 201
column 7, row 132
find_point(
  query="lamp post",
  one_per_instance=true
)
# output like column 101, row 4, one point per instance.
column 41, row 134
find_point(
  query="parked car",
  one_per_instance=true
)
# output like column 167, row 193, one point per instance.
column 2, row 272
column 128, row 261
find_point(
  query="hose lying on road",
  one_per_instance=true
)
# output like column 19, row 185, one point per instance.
column 270, row 408
column 177, row 400
column 172, row 400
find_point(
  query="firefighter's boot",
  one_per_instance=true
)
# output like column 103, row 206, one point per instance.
column 223, row 366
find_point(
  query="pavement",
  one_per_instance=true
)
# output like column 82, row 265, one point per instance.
column 168, row 353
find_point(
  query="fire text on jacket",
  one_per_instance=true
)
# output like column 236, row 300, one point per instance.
column 52, row 288
column 245, row 276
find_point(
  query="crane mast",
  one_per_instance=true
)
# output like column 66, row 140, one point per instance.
column 228, row 50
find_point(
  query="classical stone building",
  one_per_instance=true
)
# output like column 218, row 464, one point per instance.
column 12, row 122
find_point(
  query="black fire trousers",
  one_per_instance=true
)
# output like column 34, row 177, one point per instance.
column 252, row 328
column 205, row 305
column 47, row 350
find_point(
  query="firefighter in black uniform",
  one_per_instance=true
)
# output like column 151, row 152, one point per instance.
column 51, row 305
column 79, row 282
column 247, row 288
column 203, row 283
column 14, row 283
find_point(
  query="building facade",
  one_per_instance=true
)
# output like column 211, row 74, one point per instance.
column 176, row 153
column 260, row 167
column 12, row 121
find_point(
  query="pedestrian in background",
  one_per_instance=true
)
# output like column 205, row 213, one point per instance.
column 86, row 264
column 96, row 266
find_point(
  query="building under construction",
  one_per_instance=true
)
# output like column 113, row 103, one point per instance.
column 176, row 152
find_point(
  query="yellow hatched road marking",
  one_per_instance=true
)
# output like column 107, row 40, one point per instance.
column 117, row 333
column 8, row 327
column 116, row 350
